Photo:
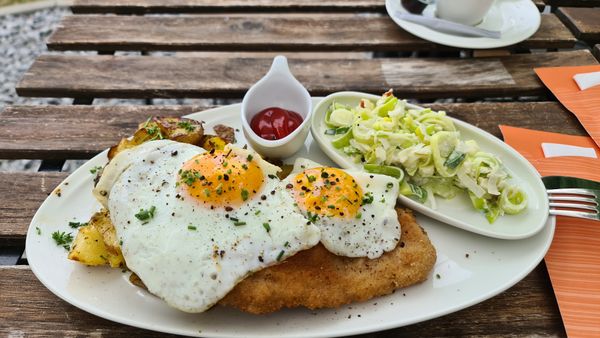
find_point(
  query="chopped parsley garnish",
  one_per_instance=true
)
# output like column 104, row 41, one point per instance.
column 367, row 199
column 312, row 218
column 257, row 212
column 155, row 133
column 267, row 227
column 189, row 177
column 191, row 227
column 62, row 239
column 359, row 215
column 244, row 194
column 95, row 169
column 311, row 178
column 38, row 230
column 146, row 214
column 245, row 167
column 271, row 176
column 390, row 185
column 286, row 244
column 280, row 255
column 76, row 225
column 186, row 125
column 324, row 174
column 238, row 223
column 331, row 206
column 249, row 157
column 219, row 189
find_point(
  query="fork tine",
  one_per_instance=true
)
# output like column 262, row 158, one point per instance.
column 577, row 214
column 574, row 206
column 572, row 198
column 573, row 191
column 579, row 210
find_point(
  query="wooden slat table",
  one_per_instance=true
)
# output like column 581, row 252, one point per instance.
column 210, row 6
column 111, row 76
column 318, row 32
column 220, row 48
column 583, row 22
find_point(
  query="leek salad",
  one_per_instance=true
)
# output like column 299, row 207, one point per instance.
column 423, row 149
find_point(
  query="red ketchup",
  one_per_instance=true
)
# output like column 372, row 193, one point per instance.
column 275, row 123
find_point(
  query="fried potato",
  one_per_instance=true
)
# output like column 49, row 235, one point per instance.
column 316, row 278
column 157, row 128
column 96, row 243
column 101, row 221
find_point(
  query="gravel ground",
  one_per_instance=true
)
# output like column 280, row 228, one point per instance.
column 22, row 39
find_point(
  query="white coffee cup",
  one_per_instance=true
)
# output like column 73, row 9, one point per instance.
column 467, row 12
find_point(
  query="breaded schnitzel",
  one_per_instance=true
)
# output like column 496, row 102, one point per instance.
column 316, row 278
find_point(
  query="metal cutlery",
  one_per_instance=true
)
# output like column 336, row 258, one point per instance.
column 448, row 26
column 573, row 197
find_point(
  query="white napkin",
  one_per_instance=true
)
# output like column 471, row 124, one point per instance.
column 558, row 150
column 587, row 80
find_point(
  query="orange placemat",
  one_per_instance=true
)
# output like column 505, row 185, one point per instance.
column 585, row 104
column 573, row 260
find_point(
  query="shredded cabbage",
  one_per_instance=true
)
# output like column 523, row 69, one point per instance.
column 425, row 145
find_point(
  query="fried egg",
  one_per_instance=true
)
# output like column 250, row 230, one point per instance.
column 192, row 224
column 355, row 211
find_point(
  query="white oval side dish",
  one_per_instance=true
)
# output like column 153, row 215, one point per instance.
column 458, row 211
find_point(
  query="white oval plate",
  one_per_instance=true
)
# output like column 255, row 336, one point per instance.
column 492, row 267
column 516, row 20
column 458, row 211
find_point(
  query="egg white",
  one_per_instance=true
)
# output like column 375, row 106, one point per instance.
column 188, row 254
column 375, row 232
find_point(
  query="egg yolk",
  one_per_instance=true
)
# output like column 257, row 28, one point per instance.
column 221, row 178
column 327, row 192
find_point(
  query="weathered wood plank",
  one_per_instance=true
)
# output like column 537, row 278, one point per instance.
column 240, row 32
column 528, row 308
column 83, row 131
column 22, row 194
column 71, row 132
column 148, row 77
column 572, row 3
column 583, row 22
column 211, row 6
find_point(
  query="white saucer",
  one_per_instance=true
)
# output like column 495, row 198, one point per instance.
column 517, row 20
